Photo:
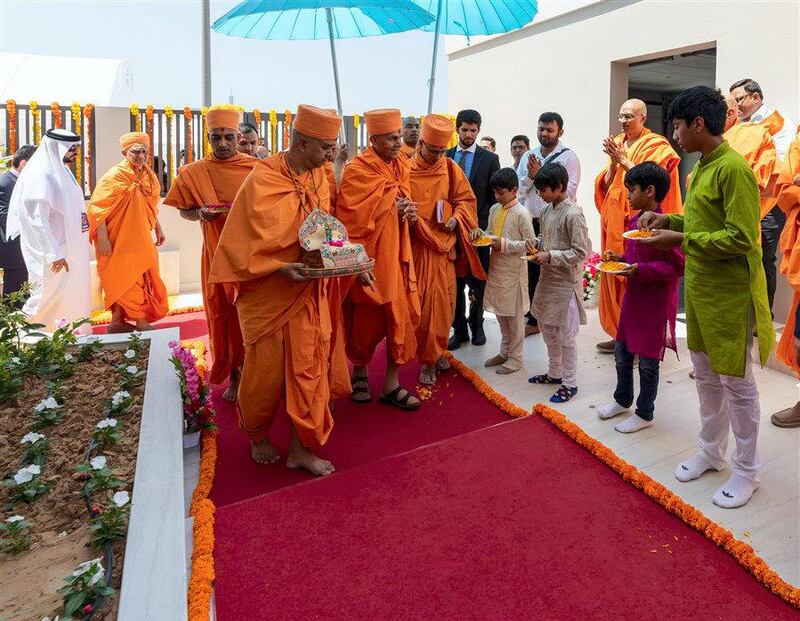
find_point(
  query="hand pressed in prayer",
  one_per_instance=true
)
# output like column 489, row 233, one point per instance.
column 343, row 155
column 207, row 215
column 408, row 210
column 663, row 239
column 651, row 220
column 57, row 265
column 451, row 224
column 292, row 272
column 616, row 152
column 542, row 258
column 533, row 166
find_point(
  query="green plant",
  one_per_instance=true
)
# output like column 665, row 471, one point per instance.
column 36, row 446
column 131, row 375
column 48, row 412
column 106, row 432
column 89, row 349
column 119, row 403
column 84, row 586
column 98, row 476
column 112, row 523
column 15, row 534
column 26, row 484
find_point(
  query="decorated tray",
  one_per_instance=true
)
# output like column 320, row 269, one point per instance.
column 332, row 272
column 482, row 241
column 218, row 208
column 637, row 234
column 612, row 267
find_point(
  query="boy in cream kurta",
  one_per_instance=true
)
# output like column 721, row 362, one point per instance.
column 506, row 293
column 557, row 304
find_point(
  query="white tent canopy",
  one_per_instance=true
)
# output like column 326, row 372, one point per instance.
column 101, row 81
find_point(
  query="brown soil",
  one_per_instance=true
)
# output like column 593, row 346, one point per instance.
column 59, row 518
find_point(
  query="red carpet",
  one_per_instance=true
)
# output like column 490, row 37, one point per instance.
column 510, row 522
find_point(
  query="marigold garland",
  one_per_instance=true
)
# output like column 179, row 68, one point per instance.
column 187, row 115
column 75, row 109
column 36, row 114
column 257, row 119
column 11, row 119
column 88, row 111
column 287, row 126
column 148, row 114
column 137, row 119
column 103, row 317
column 356, row 121
column 204, row 129
column 55, row 110
column 170, row 114
column 202, row 508
column 739, row 550
column 273, row 132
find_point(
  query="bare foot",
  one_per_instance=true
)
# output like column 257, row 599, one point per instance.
column 301, row 457
column 119, row 327
column 142, row 325
column 232, row 392
column 264, row 452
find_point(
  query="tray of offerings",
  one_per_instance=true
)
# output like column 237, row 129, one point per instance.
column 326, row 250
column 637, row 234
column 612, row 267
column 482, row 241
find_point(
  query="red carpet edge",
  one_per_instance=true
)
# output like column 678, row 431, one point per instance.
column 739, row 550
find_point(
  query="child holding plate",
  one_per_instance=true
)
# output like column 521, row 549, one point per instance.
column 649, row 305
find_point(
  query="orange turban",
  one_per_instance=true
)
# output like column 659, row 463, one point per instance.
column 317, row 123
column 383, row 121
column 437, row 130
column 126, row 141
column 223, row 116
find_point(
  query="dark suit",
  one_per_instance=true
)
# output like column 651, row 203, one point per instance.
column 484, row 165
column 14, row 271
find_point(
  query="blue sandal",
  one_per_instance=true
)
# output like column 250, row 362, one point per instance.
column 563, row 394
column 544, row 379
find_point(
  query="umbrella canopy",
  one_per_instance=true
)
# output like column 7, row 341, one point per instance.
column 473, row 17
column 321, row 19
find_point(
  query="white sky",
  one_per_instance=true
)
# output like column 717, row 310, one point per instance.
column 161, row 39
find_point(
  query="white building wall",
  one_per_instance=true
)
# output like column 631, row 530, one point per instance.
column 576, row 64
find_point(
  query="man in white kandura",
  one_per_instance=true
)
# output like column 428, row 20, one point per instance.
column 48, row 212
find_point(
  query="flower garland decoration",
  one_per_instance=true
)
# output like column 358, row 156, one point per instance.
column 197, row 411
column 741, row 551
column 206, row 145
column 55, row 109
column 88, row 111
column 187, row 116
column 36, row 113
column 591, row 276
column 137, row 119
column 257, row 119
column 287, row 126
column 454, row 139
column 11, row 119
column 170, row 114
column 148, row 115
column 75, row 110
column 273, row 132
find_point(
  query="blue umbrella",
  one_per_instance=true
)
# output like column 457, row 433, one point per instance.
column 473, row 17
column 321, row 19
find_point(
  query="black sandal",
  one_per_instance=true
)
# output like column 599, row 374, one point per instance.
column 394, row 399
column 544, row 379
column 361, row 387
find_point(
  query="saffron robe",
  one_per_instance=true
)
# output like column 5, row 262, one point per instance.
column 288, row 327
column 724, row 277
column 437, row 251
column 390, row 309
column 407, row 151
column 127, row 201
column 788, row 199
column 615, row 213
column 213, row 181
column 754, row 142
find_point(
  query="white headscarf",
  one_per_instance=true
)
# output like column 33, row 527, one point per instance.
column 44, row 178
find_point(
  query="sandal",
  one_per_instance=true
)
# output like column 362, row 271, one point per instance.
column 361, row 387
column 427, row 376
column 443, row 364
column 563, row 394
column 544, row 379
column 394, row 399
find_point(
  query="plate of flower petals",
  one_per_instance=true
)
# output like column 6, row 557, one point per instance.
column 482, row 241
column 637, row 234
column 612, row 267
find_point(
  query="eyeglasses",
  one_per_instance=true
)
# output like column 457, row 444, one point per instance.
column 138, row 151
column 625, row 117
column 741, row 98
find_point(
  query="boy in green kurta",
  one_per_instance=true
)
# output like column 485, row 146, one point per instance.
column 726, row 292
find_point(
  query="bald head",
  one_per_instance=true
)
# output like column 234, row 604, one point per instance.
column 632, row 115
column 731, row 113
column 411, row 131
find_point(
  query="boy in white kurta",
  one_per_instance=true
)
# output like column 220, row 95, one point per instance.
column 506, row 293
column 557, row 304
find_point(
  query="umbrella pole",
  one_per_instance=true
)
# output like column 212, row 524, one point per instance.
column 432, row 81
column 329, row 15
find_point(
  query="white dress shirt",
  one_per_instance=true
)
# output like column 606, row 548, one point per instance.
column 527, row 194
column 783, row 138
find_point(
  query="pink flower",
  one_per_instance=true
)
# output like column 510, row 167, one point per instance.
column 585, row 283
column 62, row 323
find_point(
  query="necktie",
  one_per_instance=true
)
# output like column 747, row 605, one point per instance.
column 462, row 162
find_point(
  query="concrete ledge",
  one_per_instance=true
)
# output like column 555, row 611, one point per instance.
column 154, row 578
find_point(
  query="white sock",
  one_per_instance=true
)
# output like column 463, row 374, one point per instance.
column 610, row 410
column 632, row 424
column 692, row 468
column 735, row 493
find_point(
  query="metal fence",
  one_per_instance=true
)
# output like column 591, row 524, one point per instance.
column 27, row 126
